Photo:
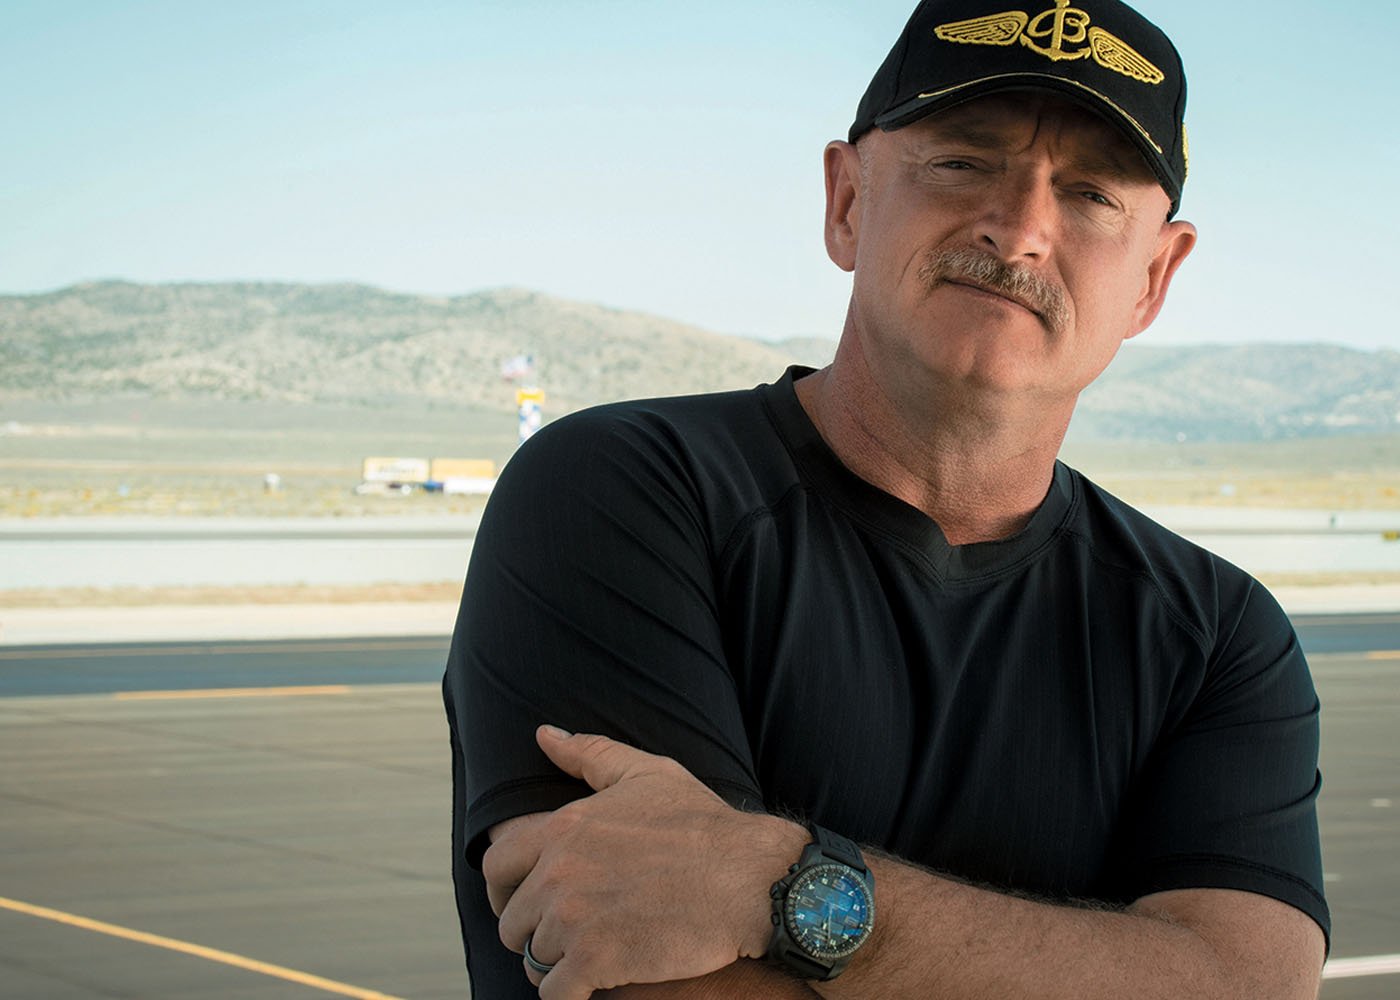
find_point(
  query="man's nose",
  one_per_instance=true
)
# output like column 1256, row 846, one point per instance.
column 1019, row 219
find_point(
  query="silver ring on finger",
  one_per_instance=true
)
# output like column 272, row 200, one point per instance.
column 543, row 968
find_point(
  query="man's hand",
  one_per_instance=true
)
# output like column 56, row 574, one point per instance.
column 653, row 878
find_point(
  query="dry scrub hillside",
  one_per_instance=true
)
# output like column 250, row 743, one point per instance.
column 351, row 344
column 356, row 346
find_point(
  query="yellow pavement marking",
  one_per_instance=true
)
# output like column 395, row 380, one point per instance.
column 262, row 692
column 1383, row 654
column 199, row 951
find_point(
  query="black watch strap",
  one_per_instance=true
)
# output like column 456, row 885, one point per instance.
column 837, row 847
column 793, row 960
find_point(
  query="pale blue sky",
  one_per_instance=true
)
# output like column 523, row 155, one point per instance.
column 647, row 155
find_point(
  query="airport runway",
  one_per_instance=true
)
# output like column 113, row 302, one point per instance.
column 270, row 820
column 101, row 668
column 158, row 552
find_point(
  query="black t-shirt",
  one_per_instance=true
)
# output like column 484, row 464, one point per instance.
column 1093, row 708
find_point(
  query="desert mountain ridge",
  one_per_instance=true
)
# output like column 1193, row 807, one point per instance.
column 351, row 344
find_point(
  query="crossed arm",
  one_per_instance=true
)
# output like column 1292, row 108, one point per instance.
column 653, row 888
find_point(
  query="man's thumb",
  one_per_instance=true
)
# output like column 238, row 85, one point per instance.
column 596, row 759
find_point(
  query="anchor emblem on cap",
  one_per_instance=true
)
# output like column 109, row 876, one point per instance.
column 1047, row 34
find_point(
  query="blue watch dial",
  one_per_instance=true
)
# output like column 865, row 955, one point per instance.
column 829, row 911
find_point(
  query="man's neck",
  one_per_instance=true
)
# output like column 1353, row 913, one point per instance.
column 980, row 472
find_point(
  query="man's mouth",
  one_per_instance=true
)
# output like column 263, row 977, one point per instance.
column 984, row 273
column 997, row 292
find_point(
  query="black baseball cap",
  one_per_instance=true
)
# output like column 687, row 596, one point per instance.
column 1100, row 54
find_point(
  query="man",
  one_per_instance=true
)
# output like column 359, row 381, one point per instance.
column 876, row 698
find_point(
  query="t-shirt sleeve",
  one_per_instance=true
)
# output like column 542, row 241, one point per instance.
column 590, row 604
column 1229, row 797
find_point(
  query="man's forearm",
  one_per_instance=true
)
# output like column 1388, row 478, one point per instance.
column 935, row 934
column 744, row 980
column 606, row 888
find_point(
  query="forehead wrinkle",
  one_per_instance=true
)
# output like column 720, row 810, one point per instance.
column 1100, row 151
column 1111, row 164
column 968, row 124
column 972, row 133
column 1091, row 145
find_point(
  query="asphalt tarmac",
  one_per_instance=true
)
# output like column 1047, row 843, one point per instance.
column 270, row 820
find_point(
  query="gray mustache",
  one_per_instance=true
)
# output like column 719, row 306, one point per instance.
column 986, row 271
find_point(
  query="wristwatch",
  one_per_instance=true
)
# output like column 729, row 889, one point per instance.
column 823, row 909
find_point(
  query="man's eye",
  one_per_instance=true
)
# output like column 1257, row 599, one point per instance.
column 954, row 165
column 1096, row 198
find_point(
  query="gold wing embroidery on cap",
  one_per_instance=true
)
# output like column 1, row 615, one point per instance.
column 1111, row 52
column 993, row 29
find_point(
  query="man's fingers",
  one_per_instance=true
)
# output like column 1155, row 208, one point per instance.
column 498, row 896
column 564, row 983
column 596, row 759
column 521, row 918
column 505, row 865
column 520, row 841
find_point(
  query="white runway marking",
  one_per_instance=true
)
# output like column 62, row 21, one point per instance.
column 1371, row 965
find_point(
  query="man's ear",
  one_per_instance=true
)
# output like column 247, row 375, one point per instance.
column 1174, row 243
column 842, row 164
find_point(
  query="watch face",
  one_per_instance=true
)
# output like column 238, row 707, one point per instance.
column 829, row 911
